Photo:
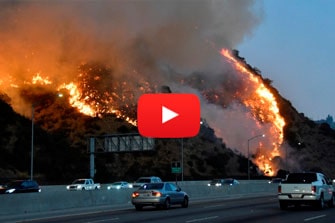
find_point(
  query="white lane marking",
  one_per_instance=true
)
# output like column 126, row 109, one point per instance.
column 104, row 220
column 313, row 218
column 202, row 219
column 213, row 206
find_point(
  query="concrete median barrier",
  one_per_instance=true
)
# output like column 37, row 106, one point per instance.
column 58, row 198
column 200, row 190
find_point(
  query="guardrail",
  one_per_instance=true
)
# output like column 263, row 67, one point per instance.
column 58, row 198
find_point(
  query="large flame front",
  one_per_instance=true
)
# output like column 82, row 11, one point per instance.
column 263, row 106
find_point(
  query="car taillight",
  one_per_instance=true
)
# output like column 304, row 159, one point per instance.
column 279, row 189
column 135, row 194
column 313, row 189
column 156, row 194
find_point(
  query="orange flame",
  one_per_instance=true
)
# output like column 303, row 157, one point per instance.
column 87, row 109
column 264, row 107
column 40, row 80
column 76, row 101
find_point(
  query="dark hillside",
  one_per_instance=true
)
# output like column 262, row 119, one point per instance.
column 60, row 144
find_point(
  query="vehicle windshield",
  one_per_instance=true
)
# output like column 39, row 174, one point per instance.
column 13, row 184
column 228, row 181
column 155, row 186
column 216, row 181
column 143, row 180
column 78, row 182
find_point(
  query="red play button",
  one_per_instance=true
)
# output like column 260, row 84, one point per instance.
column 168, row 115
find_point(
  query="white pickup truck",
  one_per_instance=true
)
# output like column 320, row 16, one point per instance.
column 83, row 184
column 308, row 188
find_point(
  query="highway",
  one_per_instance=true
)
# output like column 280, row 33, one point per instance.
column 243, row 209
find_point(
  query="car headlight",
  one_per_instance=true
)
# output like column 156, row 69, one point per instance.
column 10, row 191
column 108, row 187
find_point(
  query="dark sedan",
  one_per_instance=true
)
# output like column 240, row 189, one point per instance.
column 20, row 186
column 221, row 182
column 159, row 195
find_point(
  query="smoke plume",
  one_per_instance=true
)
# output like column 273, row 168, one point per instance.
column 52, row 38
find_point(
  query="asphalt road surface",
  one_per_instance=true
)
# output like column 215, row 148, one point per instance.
column 255, row 209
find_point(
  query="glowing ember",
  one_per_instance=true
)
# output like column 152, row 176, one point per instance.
column 263, row 106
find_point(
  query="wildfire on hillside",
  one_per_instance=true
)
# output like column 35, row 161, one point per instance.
column 263, row 107
column 95, row 92
column 103, row 57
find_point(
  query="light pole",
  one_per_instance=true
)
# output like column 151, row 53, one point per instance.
column 32, row 142
column 286, row 158
column 32, row 138
column 249, row 153
column 182, row 159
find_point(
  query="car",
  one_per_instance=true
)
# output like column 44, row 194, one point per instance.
column 159, row 195
column 275, row 180
column 119, row 185
column 143, row 180
column 306, row 188
column 20, row 186
column 221, row 182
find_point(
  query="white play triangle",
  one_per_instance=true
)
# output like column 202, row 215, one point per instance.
column 168, row 114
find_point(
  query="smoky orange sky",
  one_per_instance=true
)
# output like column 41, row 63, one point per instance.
column 53, row 37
